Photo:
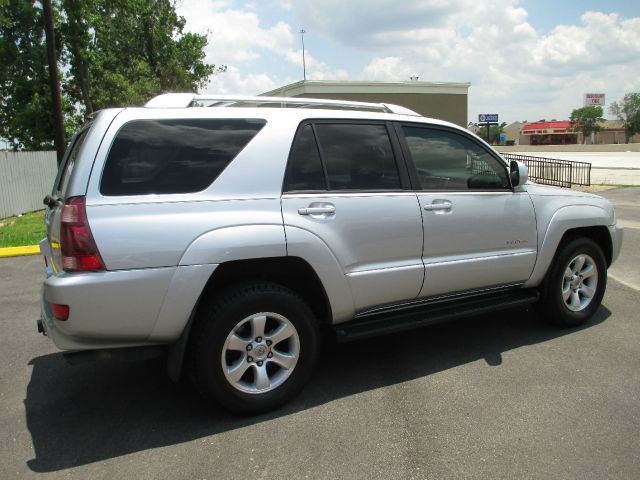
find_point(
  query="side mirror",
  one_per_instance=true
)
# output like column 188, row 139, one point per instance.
column 518, row 172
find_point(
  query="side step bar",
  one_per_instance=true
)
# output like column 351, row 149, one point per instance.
column 398, row 320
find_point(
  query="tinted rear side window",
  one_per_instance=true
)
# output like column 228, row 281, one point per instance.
column 305, row 167
column 173, row 156
column 358, row 157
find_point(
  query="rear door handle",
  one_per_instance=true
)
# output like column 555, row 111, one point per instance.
column 326, row 210
column 438, row 205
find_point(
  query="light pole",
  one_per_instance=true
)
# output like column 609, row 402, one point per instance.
column 304, row 65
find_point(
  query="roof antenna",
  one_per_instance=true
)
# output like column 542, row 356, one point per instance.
column 304, row 65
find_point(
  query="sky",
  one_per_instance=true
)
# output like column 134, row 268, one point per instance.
column 526, row 60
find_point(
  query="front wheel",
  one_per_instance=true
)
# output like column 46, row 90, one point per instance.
column 254, row 347
column 575, row 284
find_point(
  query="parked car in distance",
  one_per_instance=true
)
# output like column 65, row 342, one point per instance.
column 227, row 231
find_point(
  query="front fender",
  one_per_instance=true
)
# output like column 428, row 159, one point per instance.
column 564, row 219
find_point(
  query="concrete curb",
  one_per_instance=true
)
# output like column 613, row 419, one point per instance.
column 19, row 251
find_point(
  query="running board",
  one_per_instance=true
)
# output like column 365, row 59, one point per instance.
column 410, row 317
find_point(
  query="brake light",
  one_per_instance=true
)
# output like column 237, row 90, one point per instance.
column 79, row 249
column 61, row 312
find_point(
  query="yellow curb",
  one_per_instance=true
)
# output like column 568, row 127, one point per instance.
column 19, row 251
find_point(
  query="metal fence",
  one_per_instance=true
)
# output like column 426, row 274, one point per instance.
column 550, row 171
column 25, row 178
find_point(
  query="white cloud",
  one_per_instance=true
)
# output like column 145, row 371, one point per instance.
column 237, row 39
column 513, row 69
column 233, row 82
column 235, row 36
column 369, row 22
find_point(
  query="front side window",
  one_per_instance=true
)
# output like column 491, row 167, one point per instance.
column 449, row 161
column 173, row 156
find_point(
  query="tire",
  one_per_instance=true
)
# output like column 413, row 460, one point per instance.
column 253, row 347
column 573, row 289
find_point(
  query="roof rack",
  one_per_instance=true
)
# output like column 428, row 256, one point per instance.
column 182, row 100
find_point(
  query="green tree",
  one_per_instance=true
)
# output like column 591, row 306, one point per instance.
column 111, row 53
column 586, row 120
column 494, row 131
column 25, row 96
column 122, row 52
column 628, row 110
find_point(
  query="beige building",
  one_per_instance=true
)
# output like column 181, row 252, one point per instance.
column 513, row 131
column 612, row 132
column 443, row 100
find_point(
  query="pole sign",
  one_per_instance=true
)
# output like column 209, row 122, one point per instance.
column 488, row 118
column 594, row 99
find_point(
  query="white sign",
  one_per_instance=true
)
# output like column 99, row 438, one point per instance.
column 594, row 99
column 487, row 118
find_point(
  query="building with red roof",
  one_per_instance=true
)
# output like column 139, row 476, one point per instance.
column 548, row 133
column 561, row 133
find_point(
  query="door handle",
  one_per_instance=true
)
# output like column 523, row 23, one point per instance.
column 438, row 205
column 327, row 210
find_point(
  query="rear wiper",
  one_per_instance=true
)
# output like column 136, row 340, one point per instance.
column 52, row 201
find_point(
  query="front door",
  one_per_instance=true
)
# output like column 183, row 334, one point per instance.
column 478, row 232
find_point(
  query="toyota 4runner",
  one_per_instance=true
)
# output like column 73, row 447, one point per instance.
column 228, row 236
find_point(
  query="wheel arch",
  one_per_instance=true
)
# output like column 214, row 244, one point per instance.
column 291, row 272
column 599, row 234
column 567, row 223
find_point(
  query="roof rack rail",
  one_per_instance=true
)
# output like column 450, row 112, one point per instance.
column 182, row 100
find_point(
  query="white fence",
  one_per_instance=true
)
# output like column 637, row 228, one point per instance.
column 25, row 179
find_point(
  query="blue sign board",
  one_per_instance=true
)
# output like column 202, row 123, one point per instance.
column 488, row 118
column 503, row 137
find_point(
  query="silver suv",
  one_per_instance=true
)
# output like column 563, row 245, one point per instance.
column 227, row 237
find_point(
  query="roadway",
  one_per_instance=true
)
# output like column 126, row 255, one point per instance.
column 500, row 396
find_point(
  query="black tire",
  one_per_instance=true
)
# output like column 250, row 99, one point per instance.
column 564, row 300
column 240, row 309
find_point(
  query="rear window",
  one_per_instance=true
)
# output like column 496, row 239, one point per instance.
column 76, row 145
column 173, row 156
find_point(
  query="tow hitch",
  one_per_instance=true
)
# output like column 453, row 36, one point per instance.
column 41, row 327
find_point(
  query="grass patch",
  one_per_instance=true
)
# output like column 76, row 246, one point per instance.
column 27, row 229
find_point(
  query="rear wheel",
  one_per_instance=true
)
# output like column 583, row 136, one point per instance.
column 254, row 347
column 575, row 284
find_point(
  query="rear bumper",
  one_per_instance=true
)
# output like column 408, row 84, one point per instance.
column 122, row 308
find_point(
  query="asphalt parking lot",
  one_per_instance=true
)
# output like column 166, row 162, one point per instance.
column 501, row 396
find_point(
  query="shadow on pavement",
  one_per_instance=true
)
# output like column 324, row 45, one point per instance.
column 87, row 413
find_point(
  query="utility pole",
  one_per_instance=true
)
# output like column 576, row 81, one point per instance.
column 304, row 65
column 58, row 125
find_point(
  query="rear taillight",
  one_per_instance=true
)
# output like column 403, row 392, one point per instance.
column 79, row 250
column 60, row 312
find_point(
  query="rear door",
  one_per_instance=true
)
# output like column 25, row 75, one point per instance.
column 478, row 232
column 50, row 246
column 345, row 184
